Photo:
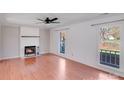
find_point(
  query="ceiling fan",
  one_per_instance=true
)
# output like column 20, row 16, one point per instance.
column 47, row 20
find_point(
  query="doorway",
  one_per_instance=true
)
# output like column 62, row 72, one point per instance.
column 62, row 42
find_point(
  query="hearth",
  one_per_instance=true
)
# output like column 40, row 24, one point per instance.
column 30, row 51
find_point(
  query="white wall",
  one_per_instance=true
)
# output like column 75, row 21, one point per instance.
column 10, row 41
column 44, row 40
column 82, row 44
column 29, row 31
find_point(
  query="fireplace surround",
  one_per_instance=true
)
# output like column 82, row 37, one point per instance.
column 29, row 41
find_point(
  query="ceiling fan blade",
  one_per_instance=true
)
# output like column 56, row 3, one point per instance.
column 54, row 19
column 40, row 19
column 55, row 22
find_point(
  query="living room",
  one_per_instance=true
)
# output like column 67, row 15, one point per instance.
column 61, row 46
column 61, row 40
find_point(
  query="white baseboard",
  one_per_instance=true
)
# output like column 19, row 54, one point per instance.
column 44, row 52
column 109, row 70
column 5, row 58
column 118, row 73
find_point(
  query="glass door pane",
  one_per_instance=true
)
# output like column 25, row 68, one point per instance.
column 62, row 42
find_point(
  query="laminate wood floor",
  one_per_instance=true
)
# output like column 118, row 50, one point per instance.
column 50, row 67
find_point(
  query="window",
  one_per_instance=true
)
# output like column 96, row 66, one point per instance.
column 110, row 46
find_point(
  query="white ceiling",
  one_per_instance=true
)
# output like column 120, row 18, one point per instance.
column 64, row 18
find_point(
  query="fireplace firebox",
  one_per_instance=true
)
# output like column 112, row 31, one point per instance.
column 30, row 50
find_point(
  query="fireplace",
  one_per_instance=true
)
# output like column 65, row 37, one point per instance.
column 30, row 51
